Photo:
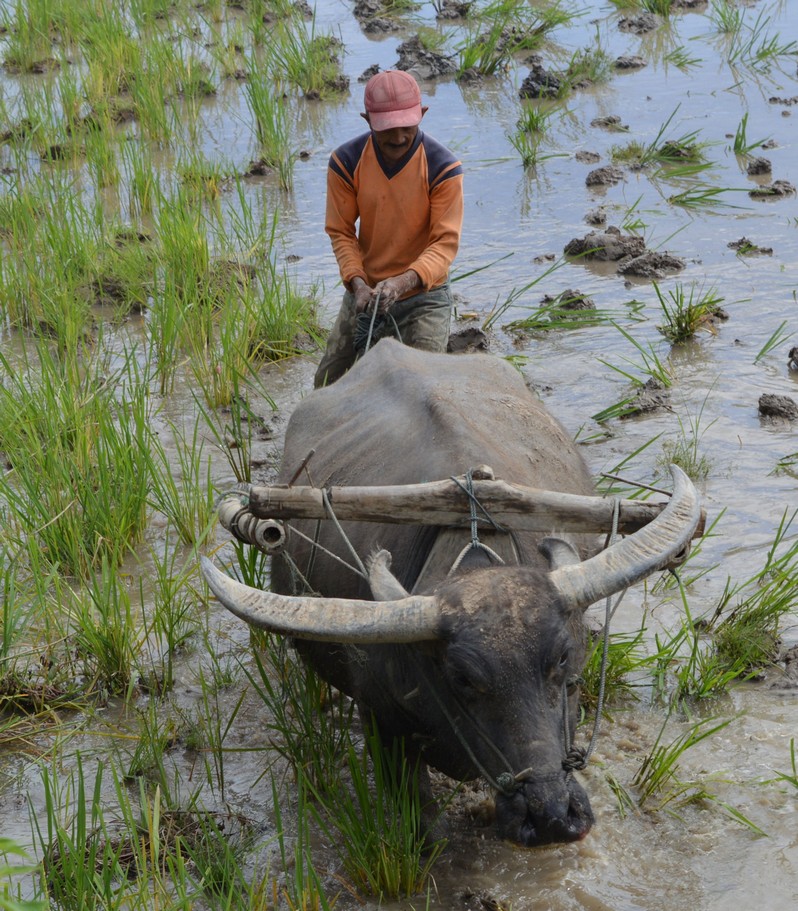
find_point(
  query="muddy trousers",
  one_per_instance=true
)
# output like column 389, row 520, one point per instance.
column 421, row 321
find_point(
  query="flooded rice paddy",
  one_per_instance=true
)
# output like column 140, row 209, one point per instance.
column 710, row 77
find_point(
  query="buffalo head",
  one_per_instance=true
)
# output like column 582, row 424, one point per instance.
column 481, row 671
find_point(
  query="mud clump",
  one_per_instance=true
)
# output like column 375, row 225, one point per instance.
column 373, row 17
column 425, row 64
column 639, row 25
column 757, row 166
column 468, row 341
column 630, row 62
column 453, row 9
column 652, row 265
column 650, row 397
column 628, row 250
column 606, row 246
column 570, row 299
column 583, row 156
column 777, row 406
column 540, row 83
column 776, row 190
column 746, row 247
column 604, row 177
column 610, row 122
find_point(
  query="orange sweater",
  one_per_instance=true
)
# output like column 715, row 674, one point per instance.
column 410, row 215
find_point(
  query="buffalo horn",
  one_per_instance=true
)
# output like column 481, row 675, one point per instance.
column 327, row 619
column 637, row 556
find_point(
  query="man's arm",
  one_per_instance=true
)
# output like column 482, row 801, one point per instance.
column 341, row 217
column 446, row 222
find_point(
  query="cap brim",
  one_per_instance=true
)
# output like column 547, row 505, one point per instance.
column 390, row 120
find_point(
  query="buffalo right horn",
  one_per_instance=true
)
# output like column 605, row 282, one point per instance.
column 409, row 619
column 637, row 556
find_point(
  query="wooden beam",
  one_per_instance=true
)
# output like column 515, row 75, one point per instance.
column 445, row 503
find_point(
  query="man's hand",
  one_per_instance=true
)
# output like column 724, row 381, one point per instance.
column 391, row 289
column 363, row 294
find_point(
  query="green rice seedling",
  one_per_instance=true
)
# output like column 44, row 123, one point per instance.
column 726, row 17
column 215, row 718
column 686, row 450
column 308, row 60
column 748, row 631
column 782, row 334
column 154, row 734
column 754, row 46
column 114, row 56
column 485, row 53
column 233, row 431
column 181, row 487
column 105, row 633
column 701, row 197
column 588, row 66
column 657, row 780
column 791, row 777
column 625, row 656
column 16, row 611
column 217, row 860
column 269, row 108
column 660, row 7
column 309, row 721
column 101, row 158
column 79, row 482
column 301, row 889
column 151, row 90
column 203, row 177
column 500, row 308
column 380, row 834
column 741, row 145
column 9, row 871
column 684, row 149
column 657, row 372
column 28, row 41
column 687, row 313
column 81, row 863
column 141, row 178
column 682, row 58
column 173, row 621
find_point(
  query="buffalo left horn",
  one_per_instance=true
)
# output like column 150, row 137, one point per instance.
column 327, row 619
column 637, row 556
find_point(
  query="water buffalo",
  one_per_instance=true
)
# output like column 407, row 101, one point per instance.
column 472, row 667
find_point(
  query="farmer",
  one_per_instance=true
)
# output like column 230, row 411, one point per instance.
column 407, row 191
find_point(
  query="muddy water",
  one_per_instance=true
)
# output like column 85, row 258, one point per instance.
column 703, row 860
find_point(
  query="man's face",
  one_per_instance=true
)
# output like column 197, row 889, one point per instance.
column 394, row 144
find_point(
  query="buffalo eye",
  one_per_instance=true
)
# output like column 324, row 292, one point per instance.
column 564, row 659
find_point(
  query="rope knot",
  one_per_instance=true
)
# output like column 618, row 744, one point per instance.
column 575, row 760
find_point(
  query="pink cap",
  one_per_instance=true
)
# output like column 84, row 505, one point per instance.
column 393, row 99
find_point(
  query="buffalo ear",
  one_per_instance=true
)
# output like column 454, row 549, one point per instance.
column 384, row 584
column 559, row 553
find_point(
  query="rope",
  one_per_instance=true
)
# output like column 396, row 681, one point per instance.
column 475, row 543
column 576, row 758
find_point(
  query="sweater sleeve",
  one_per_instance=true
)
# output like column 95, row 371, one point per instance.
column 341, row 218
column 446, row 222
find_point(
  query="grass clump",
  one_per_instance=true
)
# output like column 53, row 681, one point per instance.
column 687, row 313
column 380, row 835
